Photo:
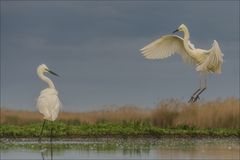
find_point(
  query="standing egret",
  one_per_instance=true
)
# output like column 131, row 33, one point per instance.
column 206, row 61
column 48, row 102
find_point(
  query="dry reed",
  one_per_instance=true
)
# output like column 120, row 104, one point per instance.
column 170, row 113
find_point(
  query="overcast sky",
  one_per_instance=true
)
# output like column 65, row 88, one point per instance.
column 94, row 47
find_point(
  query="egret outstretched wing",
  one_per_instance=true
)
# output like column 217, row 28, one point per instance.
column 213, row 61
column 206, row 61
column 165, row 47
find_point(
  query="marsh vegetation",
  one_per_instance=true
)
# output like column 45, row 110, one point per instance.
column 170, row 117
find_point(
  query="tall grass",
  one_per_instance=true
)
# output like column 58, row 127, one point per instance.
column 217, row 114
column 170, row 113
column 113, row 115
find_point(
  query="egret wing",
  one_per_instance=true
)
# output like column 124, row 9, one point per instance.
column 191, row 45
column 213, row 61
column 165, row 47
column 49, row 104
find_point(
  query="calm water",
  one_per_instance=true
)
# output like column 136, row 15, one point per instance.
column 109, row 148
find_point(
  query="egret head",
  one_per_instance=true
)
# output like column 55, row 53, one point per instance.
column 43, row 68
column 181, row 28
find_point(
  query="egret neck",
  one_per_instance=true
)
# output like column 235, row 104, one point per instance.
column 45, row 79
column 186, row 37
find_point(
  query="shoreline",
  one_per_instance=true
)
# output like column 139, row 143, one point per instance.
column 111, row 130
column 125, row 137
column 113, row 138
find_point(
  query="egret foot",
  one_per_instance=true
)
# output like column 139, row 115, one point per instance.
column 193, row 95
column 191, row 99
column 196, row 99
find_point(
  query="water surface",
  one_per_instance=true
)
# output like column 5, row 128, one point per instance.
column 118, row 148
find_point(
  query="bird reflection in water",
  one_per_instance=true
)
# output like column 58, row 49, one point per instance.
column 44, row 150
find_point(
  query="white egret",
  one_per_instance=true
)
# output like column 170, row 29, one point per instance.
column 48, row 102
column 206, row 61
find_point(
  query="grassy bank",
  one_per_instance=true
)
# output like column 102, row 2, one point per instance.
column 170, row 117
column 112, row 130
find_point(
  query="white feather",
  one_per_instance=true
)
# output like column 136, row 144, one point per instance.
column 48, row 102
column 165, row 47
column 213, row 61
column 205, row 60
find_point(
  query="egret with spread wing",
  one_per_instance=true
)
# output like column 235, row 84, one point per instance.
column 206, row 61
column 48, row 102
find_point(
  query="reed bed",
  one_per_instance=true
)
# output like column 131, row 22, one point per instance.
column 212, row 114
column 221, row 113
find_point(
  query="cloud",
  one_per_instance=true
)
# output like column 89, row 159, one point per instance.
column 95, row 47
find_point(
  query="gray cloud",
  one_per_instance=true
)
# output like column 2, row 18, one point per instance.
column 95, row 47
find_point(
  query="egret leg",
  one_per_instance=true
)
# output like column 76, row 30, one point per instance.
column 42, row 156
column 193, row 95
column 51, row 133
column 197, row 96
column 51, row 140
column 40, row 136
column 51, row 152
column 203, row 89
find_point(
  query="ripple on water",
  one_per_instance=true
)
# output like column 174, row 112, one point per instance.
column 112, row 148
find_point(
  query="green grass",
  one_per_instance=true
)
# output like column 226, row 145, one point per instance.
column 104, row 129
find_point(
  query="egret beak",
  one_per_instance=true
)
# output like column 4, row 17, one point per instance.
column 175, row 31
column 53, row 73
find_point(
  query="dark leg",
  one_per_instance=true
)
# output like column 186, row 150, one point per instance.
column 193, row 96
column 197, row 96
column 203, row 89
column 40, row 136
column 51, row 148
column 51, row 132
column 199, row 89
column 51, row 152
column 42, row 156
column 51, row 140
